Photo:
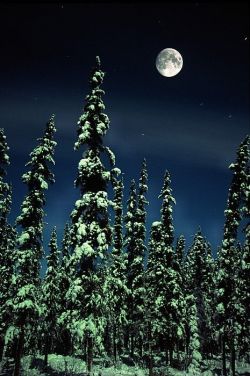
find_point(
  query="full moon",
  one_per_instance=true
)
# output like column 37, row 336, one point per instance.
column 169, row 62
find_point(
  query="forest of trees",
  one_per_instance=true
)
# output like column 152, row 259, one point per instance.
column 107, row 291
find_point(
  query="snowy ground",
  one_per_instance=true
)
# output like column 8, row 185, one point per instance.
column 70, row 366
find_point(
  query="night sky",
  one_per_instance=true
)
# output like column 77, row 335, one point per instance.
column 190, row 124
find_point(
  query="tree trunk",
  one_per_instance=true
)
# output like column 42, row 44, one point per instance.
column 1, row 347
column 47, row 349
column 89, row 355
column 166, row 352
column 178, row 351
column 224, row 364
column 132, row 348
column 19, row 352
column 150, row 355
column 167, row 357
column 115, row 343
column 233, row 357
column 140, row 347
column 171, row 355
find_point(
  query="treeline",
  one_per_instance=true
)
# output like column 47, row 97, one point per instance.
column 107, row 292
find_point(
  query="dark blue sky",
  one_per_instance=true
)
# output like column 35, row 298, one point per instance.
column 190, row 124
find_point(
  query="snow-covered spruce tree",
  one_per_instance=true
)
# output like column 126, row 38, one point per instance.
column 91, row 232
column 135, row 243
column 26, row 303
column 64, row 276
column 194, row 354
column 7, row 242
column 243, row 280
column 136, row 265
column 130, row 245
column 178, row 267
column 154, row 286
column 199, row 281
column 115, row 283
column 226, row 303
column 51, row 298
column 174, row 299
column 243, row 298
column 180, row 249
column 165, row 300
column 209, row 286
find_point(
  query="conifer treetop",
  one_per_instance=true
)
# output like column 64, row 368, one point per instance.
column 166, row 210
column 238, row 187
column 4, row 158
column 93, row 124
column 5, row 188
column 40, row 157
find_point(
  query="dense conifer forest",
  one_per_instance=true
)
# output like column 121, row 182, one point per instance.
column 110, row 302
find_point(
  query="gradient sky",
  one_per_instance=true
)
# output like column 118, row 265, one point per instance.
column 190, row 124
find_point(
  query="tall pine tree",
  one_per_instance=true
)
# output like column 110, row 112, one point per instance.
column 199, row 282
column 116, row 290
column 51, row 298
column 136, row 250
column 173, row 299
column 26, row 303
column 132, row 269
column 165, row 300
column 226, row 303
column 91, row 231
column 7, row 243
column 64, row 275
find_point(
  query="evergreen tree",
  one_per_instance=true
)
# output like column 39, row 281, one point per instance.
column 178, row 268
column 51, row 297
column 194, row 354
column 226, row 303
column 91, row 232
column 132, row 269
column 243, row 298
column 137, row 263
column 26, row 304
column 243, row 280
column 200, row 283
column 115, row 284
column 165, row 300
column 173, row 300
column 7, row 243
column 64, row 276
column 154, row 300
column 180, row 249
